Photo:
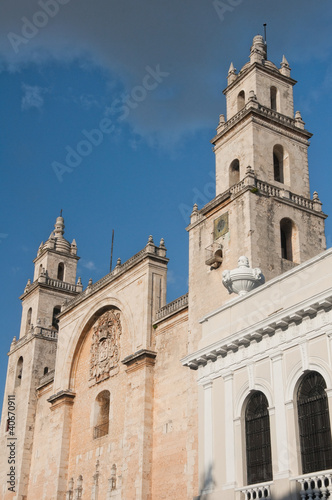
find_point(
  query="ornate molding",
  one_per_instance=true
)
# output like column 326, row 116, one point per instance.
column 105, row 347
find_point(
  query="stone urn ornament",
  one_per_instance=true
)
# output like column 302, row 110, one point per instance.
column 243, row 279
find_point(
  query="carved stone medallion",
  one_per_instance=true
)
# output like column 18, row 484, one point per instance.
column 104, row 359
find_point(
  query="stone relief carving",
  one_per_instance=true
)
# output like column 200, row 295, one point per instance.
column 105, row 347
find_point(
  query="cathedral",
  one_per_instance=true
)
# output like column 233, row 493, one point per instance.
column 226, row 392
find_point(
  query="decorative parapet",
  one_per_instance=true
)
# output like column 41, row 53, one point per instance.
column 255, row 333
column 171, row 308
column 34, row 331
column 61, row 284
column 315, row 485
column 46, row 379
column 256, row 491
column 270, row 190
column 253, row 105
column 150, row 250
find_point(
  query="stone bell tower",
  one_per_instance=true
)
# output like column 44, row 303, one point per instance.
column 262, row 208
column 32, row 357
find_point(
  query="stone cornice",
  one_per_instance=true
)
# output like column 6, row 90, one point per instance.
column 64, row 397
column 56, row 252
column 255, row 111
column 265, row 328
column 140, row 359
column 260, row 67
column 51, row 284
column 151, row 251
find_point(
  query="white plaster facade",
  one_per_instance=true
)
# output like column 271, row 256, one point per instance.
column 264, row 341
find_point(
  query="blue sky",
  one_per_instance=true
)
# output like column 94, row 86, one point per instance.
column 155, row 71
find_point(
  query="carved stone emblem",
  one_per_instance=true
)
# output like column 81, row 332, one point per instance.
column 104, row 360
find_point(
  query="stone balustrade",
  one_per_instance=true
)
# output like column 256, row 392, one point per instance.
column 271, row 190
column 315, row 486
column 60, row 284
column 256, row 491
column 172, row 307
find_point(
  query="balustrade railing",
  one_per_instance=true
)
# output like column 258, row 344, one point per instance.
column 315, row 486
column 100, row 430
column 271, row 190
column 60, row 284
column 172, row 306
column 256, row 491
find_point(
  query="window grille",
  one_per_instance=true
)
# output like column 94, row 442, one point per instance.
column 314, row 424
column 258, row 441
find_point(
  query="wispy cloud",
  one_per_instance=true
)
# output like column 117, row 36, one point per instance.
column 88, row 264
column 87, row 101
column 33, row 97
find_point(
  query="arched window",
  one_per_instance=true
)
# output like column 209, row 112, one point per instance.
column 55, row 321
column 314, row 424
column 241, row 100
column 46, row 370
column 19, row 372
column 234, row 172
column 286, row 238
column 258, row 442
column 101, row 414
column 61, row 271
column 28, row 323
column 273, row 98
column 278, row 163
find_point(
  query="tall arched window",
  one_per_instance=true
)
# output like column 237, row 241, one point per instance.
column 28, row 323
column 55, row 321
column 258, row 442
column 234, row 172
column 101, row 414
column 278, row 163
column 273, row 98
column 286, row 238
column 61, row 270
column 241, row 100
column 314, row 424
column 19, row 372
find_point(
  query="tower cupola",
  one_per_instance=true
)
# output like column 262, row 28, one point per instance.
column 258, row 50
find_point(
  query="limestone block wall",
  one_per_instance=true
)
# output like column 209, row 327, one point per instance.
column 50, row 261
column 175, row 453
column 42, row 301
column 252, row 142
column 261, row 82
column 36, row 353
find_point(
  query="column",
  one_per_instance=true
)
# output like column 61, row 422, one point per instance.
column 280, row 417
column 229, row 431
column 208, row 437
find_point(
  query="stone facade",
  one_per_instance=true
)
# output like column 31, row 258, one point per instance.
column 104, row 407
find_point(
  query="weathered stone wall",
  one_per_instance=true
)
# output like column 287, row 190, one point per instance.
column 174, row 459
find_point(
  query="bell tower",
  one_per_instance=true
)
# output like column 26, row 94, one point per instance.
column 261, row 129
column 32, row 356
column 263, row 208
